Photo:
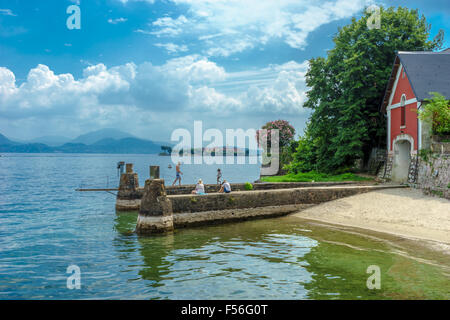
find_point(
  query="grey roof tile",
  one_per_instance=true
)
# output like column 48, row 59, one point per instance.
column 427, row 72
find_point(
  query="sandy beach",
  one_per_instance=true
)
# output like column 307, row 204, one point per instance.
column 404, row 212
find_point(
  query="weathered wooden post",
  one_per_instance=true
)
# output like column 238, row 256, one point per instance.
column 154, row 172
column 155, row 214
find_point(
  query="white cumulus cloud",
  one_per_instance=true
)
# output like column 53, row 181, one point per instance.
column 227, row 27
column 131, row 96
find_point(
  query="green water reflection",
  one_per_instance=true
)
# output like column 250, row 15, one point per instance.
column 283, row 258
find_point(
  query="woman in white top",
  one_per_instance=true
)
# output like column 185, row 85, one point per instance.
column 199, row 187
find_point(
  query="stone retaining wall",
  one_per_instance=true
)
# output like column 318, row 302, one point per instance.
column 211, row 188
column 434, row 175
column 193, row 219
column 192, row 210
column 129, row 199
column 261, row 198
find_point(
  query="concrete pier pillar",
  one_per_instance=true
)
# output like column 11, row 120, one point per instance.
column 128, row 185
column 129, row 180
column 155, row 214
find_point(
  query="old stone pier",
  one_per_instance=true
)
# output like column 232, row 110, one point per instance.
column 161, row 208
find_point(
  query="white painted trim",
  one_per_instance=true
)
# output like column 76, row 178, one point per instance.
column 407, row 102
column 389, row 129
column 407, row 137
column 401, row 99
column 419, row 129
column 394, row 87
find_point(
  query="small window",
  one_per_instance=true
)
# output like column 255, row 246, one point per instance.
column 403, row 111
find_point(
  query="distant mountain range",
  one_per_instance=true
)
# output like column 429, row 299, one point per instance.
column 96, row 136
column 100, row 141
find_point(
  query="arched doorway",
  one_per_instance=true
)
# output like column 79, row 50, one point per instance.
column 402, row 160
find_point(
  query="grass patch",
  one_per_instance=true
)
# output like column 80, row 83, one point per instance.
column 316, row 177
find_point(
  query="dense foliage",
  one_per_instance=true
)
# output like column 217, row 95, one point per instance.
column 437, row 111
column 347, row 88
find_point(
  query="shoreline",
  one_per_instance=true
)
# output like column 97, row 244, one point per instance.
column 406, row 213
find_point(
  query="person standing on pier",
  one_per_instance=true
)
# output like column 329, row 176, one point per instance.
column 219, row 176
column 179, row 173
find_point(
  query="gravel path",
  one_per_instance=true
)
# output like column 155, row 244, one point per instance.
column 405, row 212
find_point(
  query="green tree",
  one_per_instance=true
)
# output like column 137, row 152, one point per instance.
column 347, row 88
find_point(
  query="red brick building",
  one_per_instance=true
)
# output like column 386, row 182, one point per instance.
column 414, row 76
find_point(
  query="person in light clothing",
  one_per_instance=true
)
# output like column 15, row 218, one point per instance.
column 178, row 173
column 199, row 188
column 219, row 176
column 225, row 187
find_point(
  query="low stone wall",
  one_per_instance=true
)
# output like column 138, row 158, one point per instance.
column 434, row 175
column 262, row 198
column 385, row 172
column 129, row 199
column 192, row 210
column 211, row 188
column 440, row 147
column 194, row 219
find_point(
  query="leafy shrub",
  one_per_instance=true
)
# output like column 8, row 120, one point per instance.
column 425, row 154
column 437, row 111
column 248, row 186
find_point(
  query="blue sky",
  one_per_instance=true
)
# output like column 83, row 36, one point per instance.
column 151, row 66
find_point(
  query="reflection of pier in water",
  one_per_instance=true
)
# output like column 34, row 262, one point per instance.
column 286, row 255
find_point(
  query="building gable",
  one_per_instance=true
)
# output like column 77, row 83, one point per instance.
column 427, row 72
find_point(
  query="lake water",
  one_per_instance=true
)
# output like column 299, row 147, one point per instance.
column 45, row 226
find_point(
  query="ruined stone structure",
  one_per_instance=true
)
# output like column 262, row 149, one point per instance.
column 162, row 209
column 155, row 214
column 129, row 183
column 130, row 198
column 160, row 213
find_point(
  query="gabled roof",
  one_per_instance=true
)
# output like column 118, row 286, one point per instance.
column 427, row 72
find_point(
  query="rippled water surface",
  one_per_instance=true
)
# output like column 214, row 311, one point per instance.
column 45, row 226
